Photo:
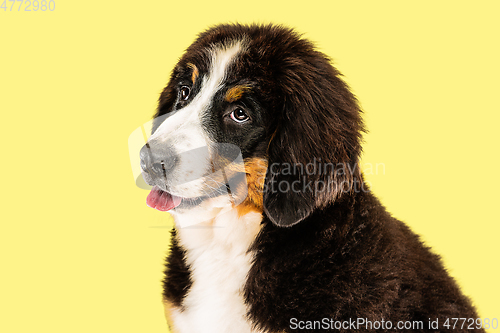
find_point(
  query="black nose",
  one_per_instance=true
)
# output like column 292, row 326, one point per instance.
column 157, row 159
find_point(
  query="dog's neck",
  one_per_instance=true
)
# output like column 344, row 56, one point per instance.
column 221, row 226
column 216, row 252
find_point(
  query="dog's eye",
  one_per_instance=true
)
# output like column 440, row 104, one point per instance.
column 185, row 91
column 239, row 115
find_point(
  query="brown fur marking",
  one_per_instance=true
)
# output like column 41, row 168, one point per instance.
column 255, row 169
column 235, row 93
column 195, row 74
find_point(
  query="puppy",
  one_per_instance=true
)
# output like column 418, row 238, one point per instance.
column 254, row 151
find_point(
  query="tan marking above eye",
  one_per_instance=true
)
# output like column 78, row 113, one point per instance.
column 235, row 93
column 195, row 74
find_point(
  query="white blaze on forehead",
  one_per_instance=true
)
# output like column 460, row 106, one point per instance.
column 190, row 116
column 183, row 130
column 221, row 58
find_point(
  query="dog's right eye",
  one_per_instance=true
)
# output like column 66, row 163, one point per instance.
column 185, row 91
column 239, row 115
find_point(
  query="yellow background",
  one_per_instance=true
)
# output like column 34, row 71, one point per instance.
column 81, row 251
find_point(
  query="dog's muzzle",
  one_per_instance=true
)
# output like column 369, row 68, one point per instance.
column 157, row 162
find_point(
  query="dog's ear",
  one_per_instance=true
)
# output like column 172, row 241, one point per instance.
column 313, row 153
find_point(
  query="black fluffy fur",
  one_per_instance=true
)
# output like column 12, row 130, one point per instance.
column 338, row 254
column 349, row 260
column 178, row 281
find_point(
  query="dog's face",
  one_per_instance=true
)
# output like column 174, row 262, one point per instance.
column 252, row 101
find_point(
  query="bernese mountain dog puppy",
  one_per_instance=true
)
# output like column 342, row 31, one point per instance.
column 254, row 151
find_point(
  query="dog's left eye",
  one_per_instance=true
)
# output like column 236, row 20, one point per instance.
column 185, row 91
column 239, row 115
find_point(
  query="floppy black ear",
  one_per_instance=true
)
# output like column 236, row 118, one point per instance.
column 313, row 155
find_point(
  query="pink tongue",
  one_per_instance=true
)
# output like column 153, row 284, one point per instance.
column 161, row 200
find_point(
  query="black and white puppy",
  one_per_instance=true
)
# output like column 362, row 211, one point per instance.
column 299, row 243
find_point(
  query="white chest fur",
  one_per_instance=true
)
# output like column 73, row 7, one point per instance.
column 219, row 262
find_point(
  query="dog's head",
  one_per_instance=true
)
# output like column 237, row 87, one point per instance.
column 265, row 94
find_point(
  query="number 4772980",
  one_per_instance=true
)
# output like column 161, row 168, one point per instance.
column 29, row 6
